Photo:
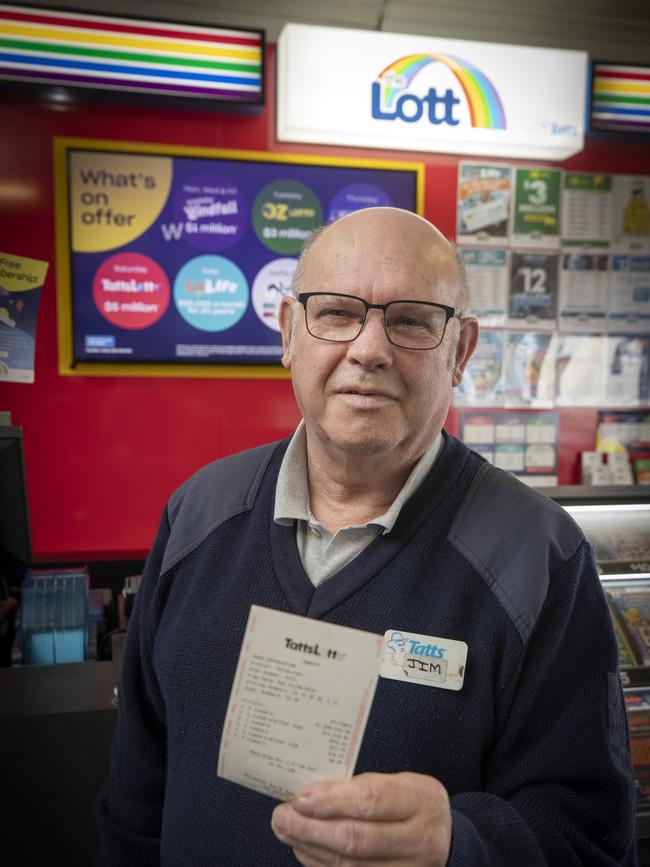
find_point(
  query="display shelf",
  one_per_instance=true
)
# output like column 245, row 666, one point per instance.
column 616, row 521
column 606, row 495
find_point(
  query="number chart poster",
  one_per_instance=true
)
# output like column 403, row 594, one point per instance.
column 171, row 258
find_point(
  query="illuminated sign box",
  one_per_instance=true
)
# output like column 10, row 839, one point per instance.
column 128, row 55
column 385, row 90
column 620, row 97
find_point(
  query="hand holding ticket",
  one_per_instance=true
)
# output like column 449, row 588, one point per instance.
column 397, row 819
column 299, row 702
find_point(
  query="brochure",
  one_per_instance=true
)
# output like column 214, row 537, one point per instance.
column 529, row 369
column 481, row 384
column 584, row 285
column 627, row 380
column 536, row 208
column 533, row 290
column 580, row 369
column 633, row 606
column 631, row 213
column 483, row 203
column 21, row 280
column 586, row 209
column 629, row 294
column 487, row 275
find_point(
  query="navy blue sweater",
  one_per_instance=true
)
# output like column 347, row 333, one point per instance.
column 532, row 750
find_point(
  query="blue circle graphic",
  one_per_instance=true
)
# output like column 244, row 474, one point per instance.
column 211, row 293
column 355, row 197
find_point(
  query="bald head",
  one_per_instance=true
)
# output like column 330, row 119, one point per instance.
column 388, row 237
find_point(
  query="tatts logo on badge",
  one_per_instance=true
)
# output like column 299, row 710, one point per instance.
column 391, row 99
column 423, row 659
column 400, row 644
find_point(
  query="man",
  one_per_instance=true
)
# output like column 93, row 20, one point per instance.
column 374, row 518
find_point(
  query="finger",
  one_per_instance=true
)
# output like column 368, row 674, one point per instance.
column 350, row 839
column 309, row 858
column 312, row 857
column 372, row 797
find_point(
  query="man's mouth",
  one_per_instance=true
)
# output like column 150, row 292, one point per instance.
column 367, row 393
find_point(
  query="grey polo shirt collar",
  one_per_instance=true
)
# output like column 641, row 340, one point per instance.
column 321, row 552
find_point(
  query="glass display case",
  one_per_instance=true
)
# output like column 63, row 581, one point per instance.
column 616, row 520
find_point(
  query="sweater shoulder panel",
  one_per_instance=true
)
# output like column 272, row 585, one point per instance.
column 211, row 496
column 515, row 537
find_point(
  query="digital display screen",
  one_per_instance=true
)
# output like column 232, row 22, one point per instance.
column 184, row 259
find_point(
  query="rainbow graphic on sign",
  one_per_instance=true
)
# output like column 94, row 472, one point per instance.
column 483, row 101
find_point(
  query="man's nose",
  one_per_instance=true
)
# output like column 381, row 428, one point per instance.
column 372, row 348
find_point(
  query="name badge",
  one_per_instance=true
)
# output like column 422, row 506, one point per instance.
column 423, row 659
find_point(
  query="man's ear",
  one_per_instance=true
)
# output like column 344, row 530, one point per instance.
column 285, row 318
column 467, row 341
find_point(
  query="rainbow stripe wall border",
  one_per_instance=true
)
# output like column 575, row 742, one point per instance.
column 620, row 97
column 168, row 59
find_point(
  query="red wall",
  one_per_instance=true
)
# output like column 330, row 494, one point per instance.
column 104, row 453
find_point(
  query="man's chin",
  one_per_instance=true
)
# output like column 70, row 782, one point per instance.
column 363, row 441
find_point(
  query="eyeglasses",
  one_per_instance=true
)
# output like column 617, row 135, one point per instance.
column 408, row 324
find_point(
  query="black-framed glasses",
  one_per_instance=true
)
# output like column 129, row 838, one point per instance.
column 408, row 324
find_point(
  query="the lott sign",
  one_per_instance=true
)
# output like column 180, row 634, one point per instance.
column 350, row 87
column 393, row 95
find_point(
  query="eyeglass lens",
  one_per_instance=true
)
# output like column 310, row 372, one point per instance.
column 409, row 324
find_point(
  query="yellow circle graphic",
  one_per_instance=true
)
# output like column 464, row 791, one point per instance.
column 115, row 197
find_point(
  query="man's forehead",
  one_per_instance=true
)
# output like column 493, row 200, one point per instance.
column 394, row 241
column 373, row 230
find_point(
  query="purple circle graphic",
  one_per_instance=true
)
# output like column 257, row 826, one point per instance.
column 211, row 212
column 355, row 197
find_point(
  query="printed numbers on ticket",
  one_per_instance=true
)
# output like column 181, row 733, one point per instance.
column 299, row 702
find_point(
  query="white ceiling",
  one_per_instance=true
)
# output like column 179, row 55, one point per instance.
column 607, row 29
